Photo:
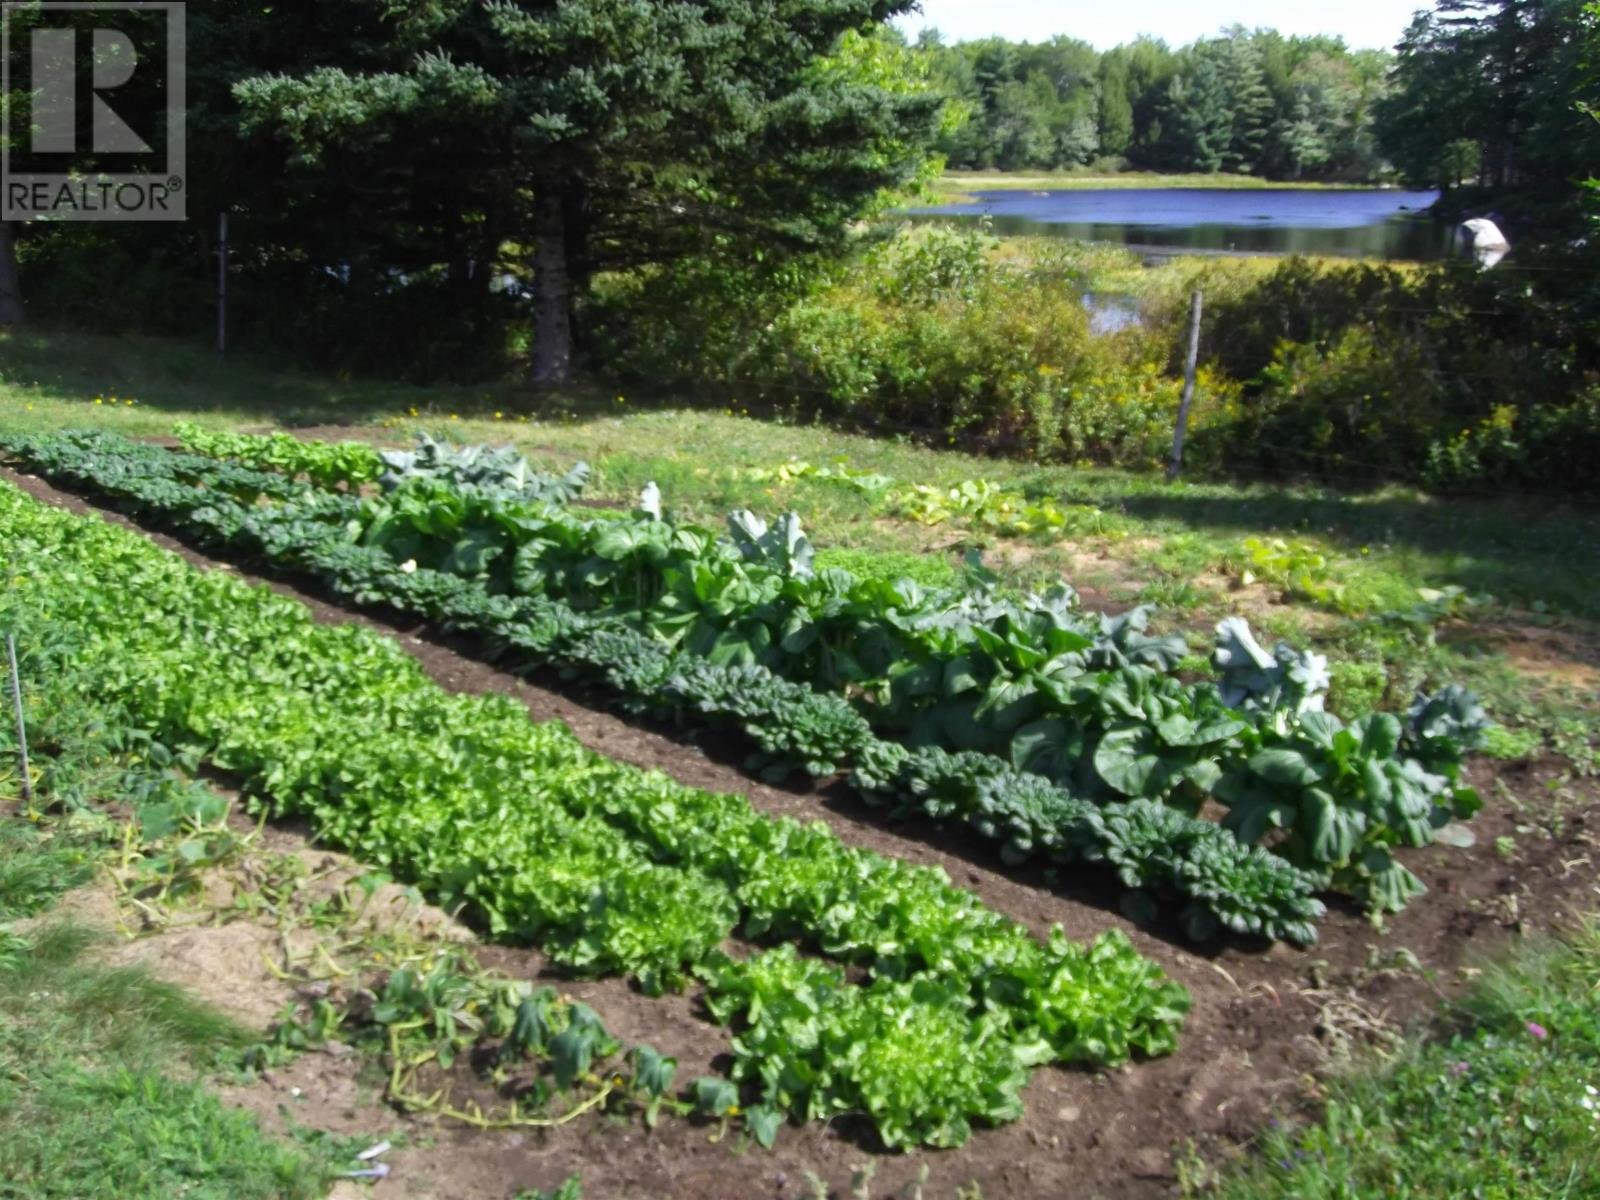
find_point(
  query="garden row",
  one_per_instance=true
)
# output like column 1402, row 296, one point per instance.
column 1087, row 701
column 609, row 868
column 421, row 1002
column 1162, row 853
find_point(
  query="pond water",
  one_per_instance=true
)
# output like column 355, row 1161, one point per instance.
column 1365, row 223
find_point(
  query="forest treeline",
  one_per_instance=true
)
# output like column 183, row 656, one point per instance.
column 1493, row 95
column 1475, row 92
column 1246, row 101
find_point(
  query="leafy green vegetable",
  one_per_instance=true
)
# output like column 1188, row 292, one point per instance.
column 1085, row 702
column 609, row 868
column 495, row 471
column 326, row 464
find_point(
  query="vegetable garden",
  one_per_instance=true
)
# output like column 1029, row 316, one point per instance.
column 855, row 984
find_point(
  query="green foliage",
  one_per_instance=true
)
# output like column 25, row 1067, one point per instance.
column 1343, row 798
column 443, row 1007
column 119, row 1133
column 1506, row 1085
column 1082, row 702
column 1285, row 107
column 817, row 1048
column 1485, row 93
column 1300, row 569
column 761, row 131
column 1515, row 443
column 978, row 504
column 497, row 471
column 924, row 334
column 1356, row 687
column 981, row 505
column 570, row 1189
column 1156, row 851
column 1504, row 743
column 87, row 1109
column 607, row 867
column 930, row 571
column 37, row 867
column 326, row 464
column 1363, row 373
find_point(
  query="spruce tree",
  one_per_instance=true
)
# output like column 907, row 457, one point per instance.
column 610, row 132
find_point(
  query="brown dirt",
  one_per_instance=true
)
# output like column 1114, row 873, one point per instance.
column 1562, row 652
column 1263, row 1019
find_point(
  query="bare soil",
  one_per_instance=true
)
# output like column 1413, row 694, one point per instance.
column 1558, row 651
column 1265, row 1020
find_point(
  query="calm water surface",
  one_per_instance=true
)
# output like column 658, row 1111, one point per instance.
column 1375, row 223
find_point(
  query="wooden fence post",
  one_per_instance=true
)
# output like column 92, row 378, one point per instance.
column 1191, row 364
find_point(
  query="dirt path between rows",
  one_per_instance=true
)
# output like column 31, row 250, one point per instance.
column 1264, row 1020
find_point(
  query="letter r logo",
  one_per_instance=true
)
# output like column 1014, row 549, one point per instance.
column 93, row 110
column 55, row 77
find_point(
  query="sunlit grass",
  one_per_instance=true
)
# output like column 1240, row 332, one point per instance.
column 98, row 1097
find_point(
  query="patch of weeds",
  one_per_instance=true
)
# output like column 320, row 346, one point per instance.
column 94, row 1102
column 1299, row 569
column 1407, row 655
column 1557, row 715
column 570, row 1190
column 1577, row 739
column 1182, row 556
column 1177, row 595
column 38, row 864
column 1503, row 1103
column 929, row 570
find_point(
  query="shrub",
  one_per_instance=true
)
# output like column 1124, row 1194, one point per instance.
column 1445, row 375
column 934, row 333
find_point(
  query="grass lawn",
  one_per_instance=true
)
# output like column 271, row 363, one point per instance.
column 1501, row 1103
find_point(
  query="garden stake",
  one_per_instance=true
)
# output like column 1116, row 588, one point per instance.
column 16, row 708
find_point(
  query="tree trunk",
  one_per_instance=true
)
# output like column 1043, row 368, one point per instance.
column 552, row 291
column 10, row 287
column 575, row 229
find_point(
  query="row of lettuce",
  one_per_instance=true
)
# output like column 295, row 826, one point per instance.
column 608, row 868
column 1059, row 733
column 422, row 1003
